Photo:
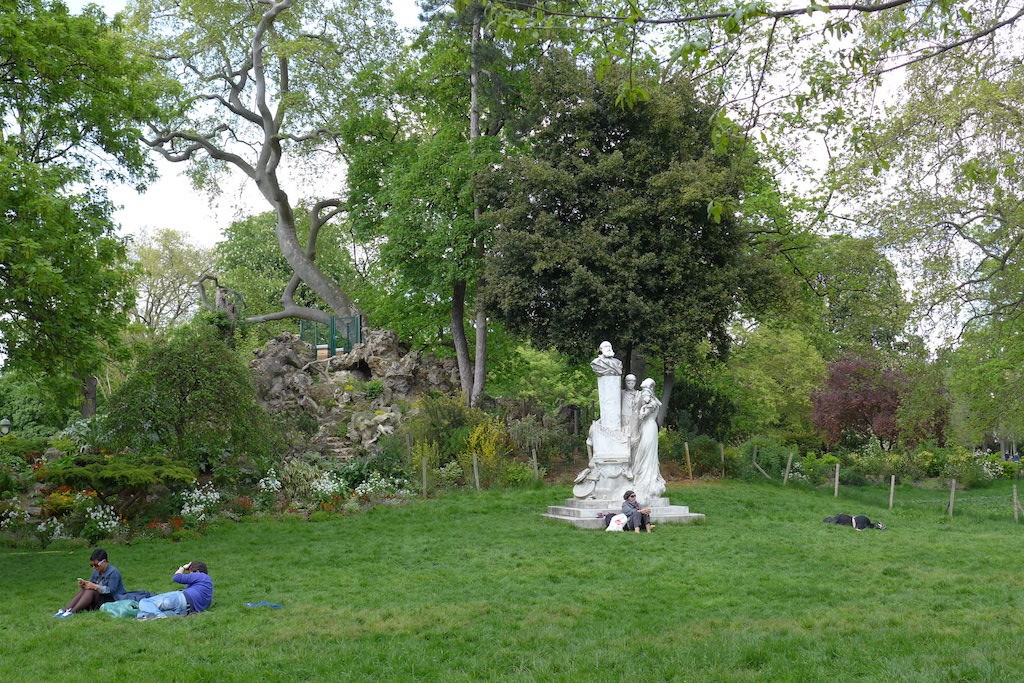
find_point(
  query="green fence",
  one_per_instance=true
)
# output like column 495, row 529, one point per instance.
column 340, row 332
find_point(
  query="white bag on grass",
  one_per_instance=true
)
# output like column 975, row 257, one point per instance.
column 617, row 523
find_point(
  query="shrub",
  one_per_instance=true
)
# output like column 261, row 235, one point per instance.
column 449, row 475
column 517, row 473
column 930, row 463
column 124, row 481
column 191, row 396
column 772, row 456
column 15, row 449
column 964, row 466
column 373, row 389
column 444, row 420
column 815, row 468
column 490, row 443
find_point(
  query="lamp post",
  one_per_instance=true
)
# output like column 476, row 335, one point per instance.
column 5, row 427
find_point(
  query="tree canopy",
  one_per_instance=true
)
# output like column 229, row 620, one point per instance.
column 603, row 228
column 71, row 100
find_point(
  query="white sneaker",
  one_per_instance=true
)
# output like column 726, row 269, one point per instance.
column 60, row 613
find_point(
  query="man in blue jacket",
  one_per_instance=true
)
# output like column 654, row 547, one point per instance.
column 195, row 597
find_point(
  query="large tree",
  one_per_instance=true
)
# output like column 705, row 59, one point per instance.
column 860, row 398
column 169, row 265
column 987, row 384
column 412, row 177
column 939, row 180
column 771, row 375
column 71, row 99
column 603, row 228
column 261, row 84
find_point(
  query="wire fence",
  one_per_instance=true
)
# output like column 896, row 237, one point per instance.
column 957, row 500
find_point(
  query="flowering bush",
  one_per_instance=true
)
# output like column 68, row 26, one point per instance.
column 448, row 475
column 328, row 485
column 49, row 529
column 240, row 505
column 100, row 522
column 267, row 490
column 378, row 486
column 59, row 502
column 199, row 503
column 11, row 515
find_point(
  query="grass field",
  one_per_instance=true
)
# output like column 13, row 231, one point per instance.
column 480, row 587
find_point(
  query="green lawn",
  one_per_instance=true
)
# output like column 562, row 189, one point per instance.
column 480, row 586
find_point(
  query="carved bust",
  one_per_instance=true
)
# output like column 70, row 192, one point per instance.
column 606, row 363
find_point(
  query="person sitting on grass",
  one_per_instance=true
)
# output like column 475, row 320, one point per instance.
column 638, row 518
column 105, row 585
column 195, row 597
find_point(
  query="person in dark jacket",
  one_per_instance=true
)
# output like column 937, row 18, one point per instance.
column 858, row 522
column 639, row 518
column 105, row 585
column 195, row 597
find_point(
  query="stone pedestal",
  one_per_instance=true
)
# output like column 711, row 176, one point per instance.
column 609, row 398
column 584, row 512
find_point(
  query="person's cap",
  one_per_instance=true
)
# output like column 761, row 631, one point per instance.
column 627, row 494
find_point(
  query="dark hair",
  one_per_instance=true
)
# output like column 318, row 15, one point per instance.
column 98, row 555
column 198, row 567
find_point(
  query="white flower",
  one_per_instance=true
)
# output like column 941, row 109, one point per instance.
column 270, row 482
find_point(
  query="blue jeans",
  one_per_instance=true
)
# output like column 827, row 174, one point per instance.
column 163, row 605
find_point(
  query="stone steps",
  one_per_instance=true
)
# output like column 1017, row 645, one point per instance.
column 583, row 513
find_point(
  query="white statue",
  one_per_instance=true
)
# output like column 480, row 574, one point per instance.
column 630, row 396
column 607, row 474
column 606, row 363
column 647, row 479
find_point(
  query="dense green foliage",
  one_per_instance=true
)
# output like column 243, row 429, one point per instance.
column 603, row 228
column 71, row 98
column 191, row 398
column 169, row 265
column 762, row 591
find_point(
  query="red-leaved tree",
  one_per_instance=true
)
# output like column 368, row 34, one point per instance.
column 859, row 397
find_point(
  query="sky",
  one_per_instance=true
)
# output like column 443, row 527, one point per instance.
column 172, row 202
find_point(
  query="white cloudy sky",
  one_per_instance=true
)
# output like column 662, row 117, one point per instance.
column 171, row 202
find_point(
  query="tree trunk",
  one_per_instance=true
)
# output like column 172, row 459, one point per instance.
column 459, row 338
column 637, row 363
column 89, row 390
column 476, row 389
column 295, row 254
column 667, row 385
column 480, row 364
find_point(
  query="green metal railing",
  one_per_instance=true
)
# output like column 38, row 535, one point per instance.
column 340, row 332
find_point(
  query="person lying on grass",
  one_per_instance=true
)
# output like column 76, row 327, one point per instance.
column 195, row 597
column 858, row 522
column 105, row 585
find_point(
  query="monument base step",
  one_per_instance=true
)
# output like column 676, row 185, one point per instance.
column 583, row 513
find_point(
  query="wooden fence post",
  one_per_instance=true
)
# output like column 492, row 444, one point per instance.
column 721, row 453
column 836, row 493
column 476, row 473
column 536, row 467
column 753, row 461
column 1016, row 506
column 892, row 488
column 686, row 448
column 789, row 464
column 952, row 495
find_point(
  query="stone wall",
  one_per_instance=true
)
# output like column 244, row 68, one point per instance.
column 354, row 397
